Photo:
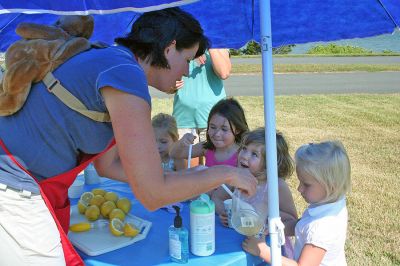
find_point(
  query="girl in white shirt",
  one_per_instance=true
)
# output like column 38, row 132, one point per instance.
column 323, row 170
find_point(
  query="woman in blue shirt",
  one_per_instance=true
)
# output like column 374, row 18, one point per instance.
column 48, row 142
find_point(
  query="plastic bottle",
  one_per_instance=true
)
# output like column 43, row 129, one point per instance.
column 91, row 176
column 178, row 240
column 202, row 226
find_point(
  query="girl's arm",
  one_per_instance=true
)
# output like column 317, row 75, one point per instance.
column 138, row 155
column 180, row 149
column 287, row 208
column 218, row 196
column 180, row 164
column 310, row 255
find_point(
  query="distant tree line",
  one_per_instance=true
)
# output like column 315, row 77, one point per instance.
column 254, row 48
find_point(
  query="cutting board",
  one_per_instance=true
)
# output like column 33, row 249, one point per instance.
column 99, row 240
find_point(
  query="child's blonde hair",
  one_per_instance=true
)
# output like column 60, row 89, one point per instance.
column 166, row 122
column 329, row 164
column 284, row 160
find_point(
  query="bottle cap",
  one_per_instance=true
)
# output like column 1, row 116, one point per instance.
column 178, row 218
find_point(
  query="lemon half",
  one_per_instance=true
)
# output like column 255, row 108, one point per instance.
column 130, row 230
column 117, row 227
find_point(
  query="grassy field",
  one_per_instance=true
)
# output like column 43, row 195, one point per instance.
column 369, row 127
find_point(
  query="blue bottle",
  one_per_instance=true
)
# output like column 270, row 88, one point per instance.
column 178, row 240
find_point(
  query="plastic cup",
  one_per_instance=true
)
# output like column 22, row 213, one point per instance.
column 76, row 189
column 228, row 211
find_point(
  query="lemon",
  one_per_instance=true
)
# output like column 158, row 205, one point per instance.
column 117, row 213
column 82, row 206
column 130, row 230
column 124, row 204
column 87, row 197
column 116, row 227
column 98, row 191
column 111, row 196
column 80, row 227
column 107, row 207
column 92, row 213
column 97, row 200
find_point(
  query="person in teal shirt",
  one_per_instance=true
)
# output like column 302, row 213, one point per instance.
column 199, row 91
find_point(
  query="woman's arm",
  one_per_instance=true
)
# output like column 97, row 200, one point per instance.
column 131, row 121
column 180, row 149
column 109, row 165
column 221, row 62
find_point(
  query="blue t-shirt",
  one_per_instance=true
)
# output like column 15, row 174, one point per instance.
column 46, row 136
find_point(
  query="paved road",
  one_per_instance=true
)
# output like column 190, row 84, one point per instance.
column 315, row 83
column 324, row 60
column 312, row 83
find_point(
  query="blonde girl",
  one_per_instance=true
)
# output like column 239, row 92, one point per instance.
column 252, row 156
column 166, row 133
column 225, row 128
column 323, row 170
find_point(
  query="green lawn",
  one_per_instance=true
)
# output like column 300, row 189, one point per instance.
column 369, row 127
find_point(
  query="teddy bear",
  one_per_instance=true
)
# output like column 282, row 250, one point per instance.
column 41, row 50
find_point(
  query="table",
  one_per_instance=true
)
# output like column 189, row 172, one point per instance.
column 154, row 249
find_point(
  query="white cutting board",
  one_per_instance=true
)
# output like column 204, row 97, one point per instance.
column 99, row 240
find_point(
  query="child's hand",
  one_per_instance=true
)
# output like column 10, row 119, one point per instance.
column 187, row 139
column 179, row 84
column 224, row 219
column 254, row 245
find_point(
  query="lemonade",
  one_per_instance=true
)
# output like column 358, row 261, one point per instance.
column 247, row 222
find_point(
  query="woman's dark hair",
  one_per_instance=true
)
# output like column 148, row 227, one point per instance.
column 233, row 112
column 153, row 31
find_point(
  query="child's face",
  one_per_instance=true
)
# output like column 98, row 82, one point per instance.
column 311, row 190
column 164, row 142
column 220, row 132
column 250, row 156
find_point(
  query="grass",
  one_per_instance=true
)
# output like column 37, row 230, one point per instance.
column 315, row 68
column 369, row 127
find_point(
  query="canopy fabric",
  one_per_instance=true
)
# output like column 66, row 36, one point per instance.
column 228, row 23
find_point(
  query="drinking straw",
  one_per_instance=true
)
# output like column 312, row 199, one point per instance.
column 190, row 149
column 227, row 190
column 190, row 155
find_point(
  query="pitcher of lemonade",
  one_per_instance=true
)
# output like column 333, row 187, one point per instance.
column 249, row 214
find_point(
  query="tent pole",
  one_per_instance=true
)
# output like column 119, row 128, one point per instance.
column 274, row 221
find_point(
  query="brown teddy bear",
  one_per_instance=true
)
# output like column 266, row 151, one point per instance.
column 42, row 49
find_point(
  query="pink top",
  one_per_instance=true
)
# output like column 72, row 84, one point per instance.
column 211, row 161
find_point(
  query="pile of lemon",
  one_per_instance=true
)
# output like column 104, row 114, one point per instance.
column 109, row 206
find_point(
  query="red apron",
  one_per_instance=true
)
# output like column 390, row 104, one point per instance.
column 54, row 191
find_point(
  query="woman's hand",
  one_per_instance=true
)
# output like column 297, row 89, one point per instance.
column 243, row 180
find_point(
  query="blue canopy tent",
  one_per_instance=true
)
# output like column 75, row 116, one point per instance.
column 229, row 24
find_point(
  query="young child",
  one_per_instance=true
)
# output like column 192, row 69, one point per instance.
column 225, row 128
column 252, row 156
column 323, row 170
column 166, row 133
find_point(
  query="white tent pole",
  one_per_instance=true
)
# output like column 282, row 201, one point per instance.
column 274, row 221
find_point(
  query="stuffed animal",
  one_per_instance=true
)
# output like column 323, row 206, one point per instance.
column 42, row 49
